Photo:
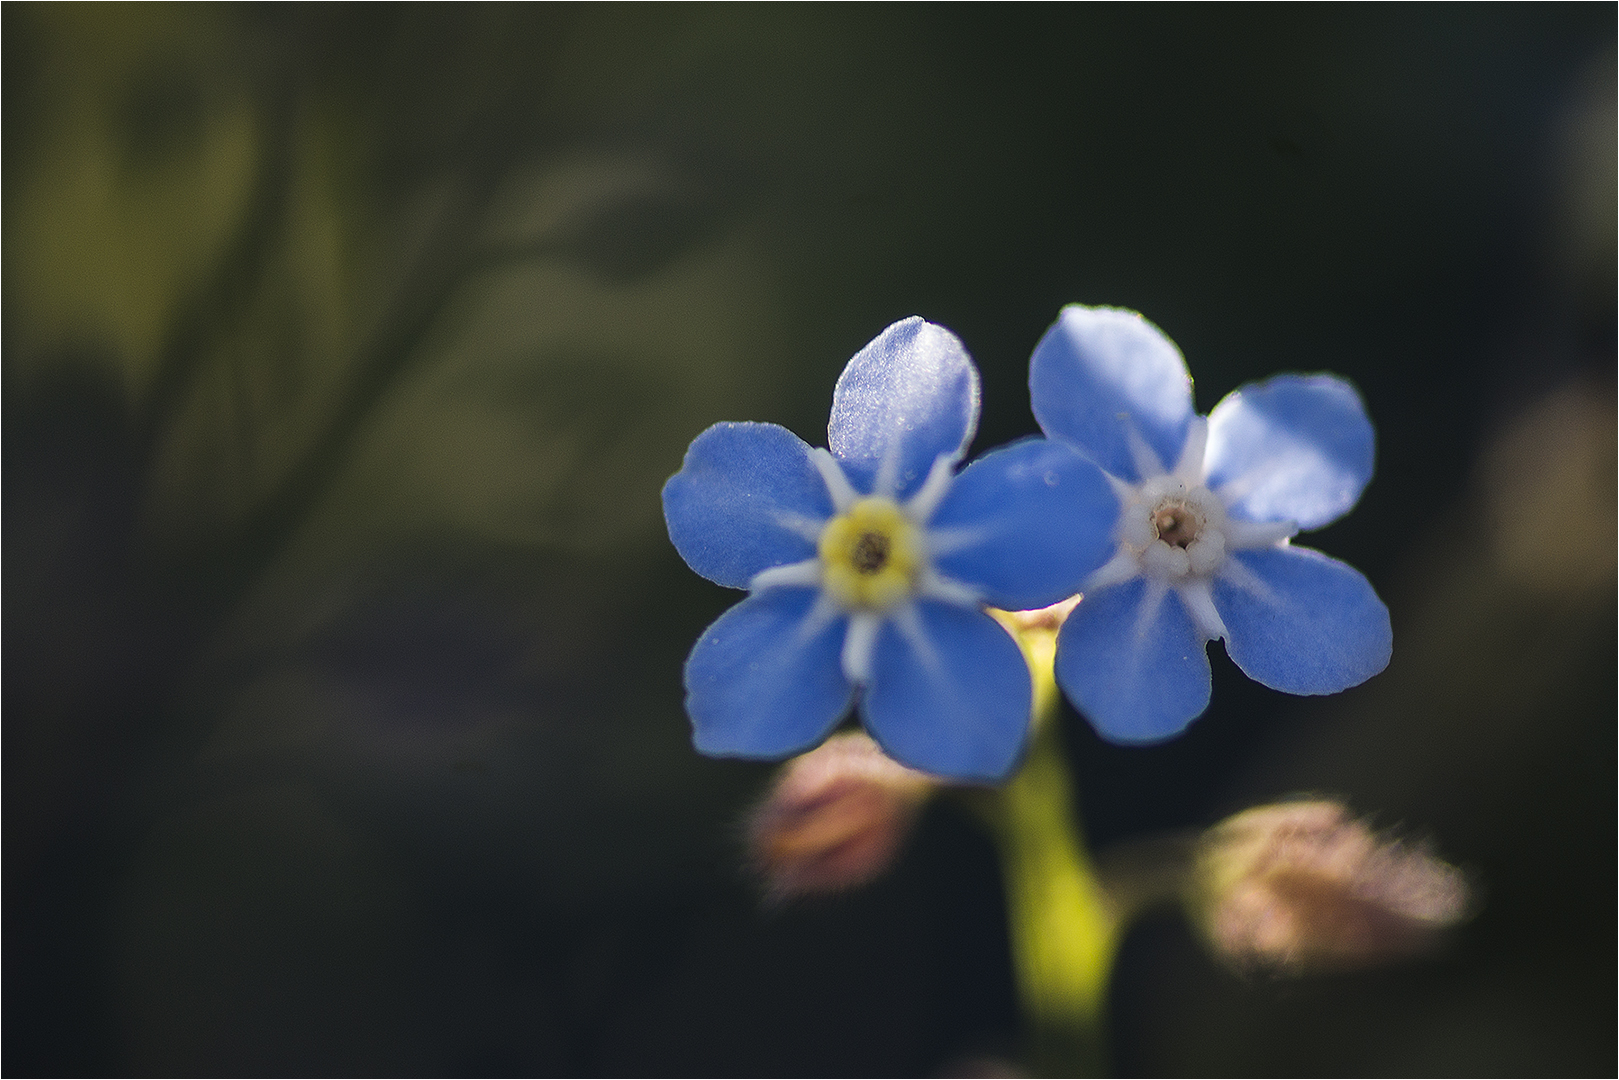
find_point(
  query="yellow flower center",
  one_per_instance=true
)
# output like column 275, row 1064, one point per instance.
column 871, row 556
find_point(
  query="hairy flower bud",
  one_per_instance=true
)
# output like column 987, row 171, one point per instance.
column 1301, row 886
column 835, row 818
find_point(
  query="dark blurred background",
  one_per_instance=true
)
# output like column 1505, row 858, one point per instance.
column 346, row 350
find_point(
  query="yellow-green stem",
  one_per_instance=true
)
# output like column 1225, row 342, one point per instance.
column 1063, row 931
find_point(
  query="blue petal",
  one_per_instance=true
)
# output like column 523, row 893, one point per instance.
column 758, row 687
column 1296, row 447
column 1319, row 627
column 1138, row 678
column 727, row 506
column 955, row 703
column 1097, row 372
column 1041, row 518
column 906, row 398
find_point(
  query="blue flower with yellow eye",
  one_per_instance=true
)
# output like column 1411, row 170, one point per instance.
column 869, row 565
column 1208, row 506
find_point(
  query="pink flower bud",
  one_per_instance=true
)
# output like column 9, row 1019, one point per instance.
column 835, row 818
column 1301, row 886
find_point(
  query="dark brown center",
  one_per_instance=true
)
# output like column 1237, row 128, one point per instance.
column 871, row 552
column 1176, row 525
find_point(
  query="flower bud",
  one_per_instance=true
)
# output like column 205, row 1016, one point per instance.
column 835, row 818
column 1300, row 887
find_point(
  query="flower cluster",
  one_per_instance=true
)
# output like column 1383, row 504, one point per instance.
column 870, row 565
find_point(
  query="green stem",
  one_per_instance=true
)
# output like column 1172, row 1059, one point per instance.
column 1063, row 930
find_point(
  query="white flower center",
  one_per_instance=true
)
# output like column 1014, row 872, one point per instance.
column 1173, row 529
column 1175, row 532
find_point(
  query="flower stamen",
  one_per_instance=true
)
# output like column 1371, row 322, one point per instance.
column 1177, row 524
column 870, row 553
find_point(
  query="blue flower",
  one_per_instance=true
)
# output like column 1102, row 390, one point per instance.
column 1208, row 506
column 869, row 566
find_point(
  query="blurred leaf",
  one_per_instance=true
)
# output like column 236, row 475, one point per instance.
column 134, row 182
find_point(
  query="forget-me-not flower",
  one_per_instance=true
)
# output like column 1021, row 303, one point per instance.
column 869, row 566
column 1208, row 506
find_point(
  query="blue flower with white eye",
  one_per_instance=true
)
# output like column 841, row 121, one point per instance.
column 868, row 566
column 1208, row 507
